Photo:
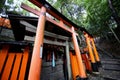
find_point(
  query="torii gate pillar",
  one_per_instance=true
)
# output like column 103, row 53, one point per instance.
column 82, row 73
column 35, row 66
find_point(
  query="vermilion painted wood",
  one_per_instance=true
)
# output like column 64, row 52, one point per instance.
column 95, row 50
column 78, row 56
column 87, row 62
column 16, row 66
column 36, row 12
column 74, row 66
column 35, row 67
column 24, row 64
column 50, row 12
column 8, row 66
column 3, row 55
column 92, row 58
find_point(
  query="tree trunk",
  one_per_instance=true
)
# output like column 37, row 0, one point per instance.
column 116, row 18
column 114, row 13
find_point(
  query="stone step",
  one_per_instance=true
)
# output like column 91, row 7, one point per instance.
column 53, row 76
column 106, row 78
column 95, row 78
column 110, row 59
column 110, row 62
column 50, row 69
column 110, row 75
column 111, row 67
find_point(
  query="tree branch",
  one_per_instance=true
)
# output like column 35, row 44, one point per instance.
column 114, row 13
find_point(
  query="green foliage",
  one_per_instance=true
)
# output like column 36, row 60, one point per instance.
column 98, row 14
column 2, row 3
column 14, row 6
column 94, row 15
column 116, row 5
column 10, row 1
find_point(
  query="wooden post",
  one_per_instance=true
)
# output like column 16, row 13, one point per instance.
column 95, row 52
column 24, row 63
column 93, row 61
column 87, row 63
column 3, row 56
column 78, row 55
column 8, row 66
column 68, row 61
column 74, row 65
column 15, row 71
column 35, row 67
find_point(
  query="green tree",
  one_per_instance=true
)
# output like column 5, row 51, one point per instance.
column 99, row 17
column 95, row 15
column 2, row 2
column 14, row 6
column 115, row 10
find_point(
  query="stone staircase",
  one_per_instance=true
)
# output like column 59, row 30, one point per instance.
column 110, row 69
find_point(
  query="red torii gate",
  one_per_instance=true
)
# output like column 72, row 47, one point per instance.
column 35, row 67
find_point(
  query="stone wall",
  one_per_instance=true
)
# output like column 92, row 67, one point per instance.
column 6, row 34
column 112, row 47
column 50, row 73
